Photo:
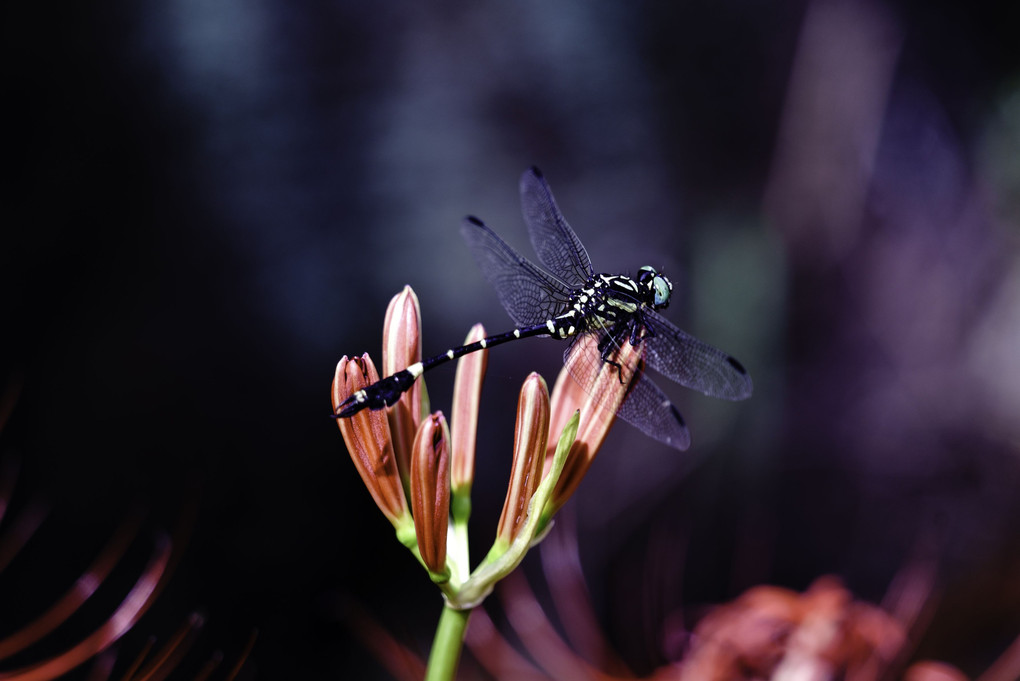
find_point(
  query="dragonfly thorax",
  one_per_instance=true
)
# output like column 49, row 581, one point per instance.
column 609, row 299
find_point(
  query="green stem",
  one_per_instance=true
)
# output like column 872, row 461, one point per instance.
column 447, row 645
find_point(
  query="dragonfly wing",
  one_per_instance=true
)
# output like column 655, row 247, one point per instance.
column 556, row 245
column 648, row 408
column 683, row 358
column 529, row 294
column 619, row 385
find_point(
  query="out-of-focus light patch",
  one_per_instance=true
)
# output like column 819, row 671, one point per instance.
column 920, row 282
column 992, row 355
column 738, row 287
column 264, row 150
column 217, row 50
column 830, row 127
column 903, row 271
column 1000, row 160
column 993, row 358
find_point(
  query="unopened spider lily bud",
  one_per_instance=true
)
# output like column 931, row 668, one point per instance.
column 401, row 349
column 530, row 437
column 430, row 492
column 598, row 408
column 467, row 391
column 367, row 435
column 567, row 397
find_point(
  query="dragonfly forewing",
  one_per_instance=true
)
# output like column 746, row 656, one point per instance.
column 555, row 243
column 529, row 294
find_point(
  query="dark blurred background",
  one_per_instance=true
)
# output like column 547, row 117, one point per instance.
column 208, row 203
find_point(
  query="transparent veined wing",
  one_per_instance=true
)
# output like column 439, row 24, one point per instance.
column 528, row 293
column 681, row 357
column 555, row 243
column 648, row 408
column 620, row 386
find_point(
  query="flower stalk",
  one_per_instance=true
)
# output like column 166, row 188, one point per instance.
column 447, row 645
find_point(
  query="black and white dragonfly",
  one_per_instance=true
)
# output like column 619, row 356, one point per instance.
column 599, row 313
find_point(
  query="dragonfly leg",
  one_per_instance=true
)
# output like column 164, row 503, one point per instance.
column 639, row 331
column 606, row 345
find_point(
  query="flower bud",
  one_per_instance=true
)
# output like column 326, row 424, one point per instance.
column 367, row 435
column 530, row 436
column 608, row 389
column 467, row 390
column 430, row 491
column 402, row 348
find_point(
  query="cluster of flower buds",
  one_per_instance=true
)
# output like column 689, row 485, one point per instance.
column 419, row 469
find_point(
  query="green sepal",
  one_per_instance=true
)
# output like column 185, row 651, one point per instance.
column 405, row 532
column 440, row 577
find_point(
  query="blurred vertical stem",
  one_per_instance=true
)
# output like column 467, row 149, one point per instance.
column 447, row 645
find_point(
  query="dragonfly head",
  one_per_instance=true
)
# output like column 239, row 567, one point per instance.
column 658, row 285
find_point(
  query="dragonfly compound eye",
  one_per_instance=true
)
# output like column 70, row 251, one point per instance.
column 662, row 288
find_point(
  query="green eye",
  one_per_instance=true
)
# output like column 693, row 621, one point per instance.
column 662, row 291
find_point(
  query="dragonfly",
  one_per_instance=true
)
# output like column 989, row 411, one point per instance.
column 598, row 313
